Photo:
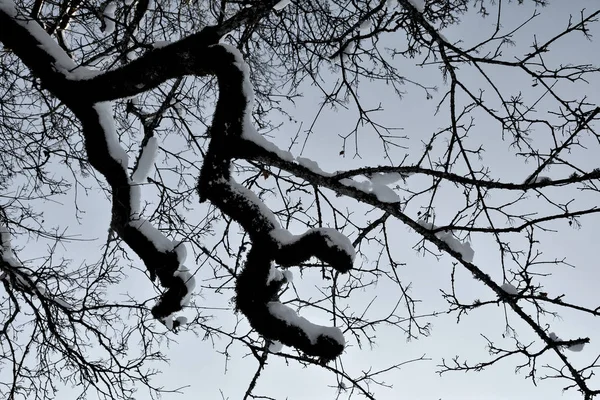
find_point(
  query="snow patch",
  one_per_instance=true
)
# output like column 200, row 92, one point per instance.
column 312, row 331
column 382, row 192
column 160, row 44
column 576, row 347
column 349, row 49
column 275, row 346
column 288, row 275
column 190, row 283
column 365, row 26
column 385, row 178
column 463, row 248
column 248, row 131
column 338, row 240
column 168, row 321
column 180, row 251
column 252, row 198
column 510, row 289
column 281, row 5
column 275, row 274
column 109, row 18
column 418, row 4
column 333, row 237
column 146, row 161
column 135, row 199
column 62, row 62
column 160, row 241
column 312, row 165
column 107, row 122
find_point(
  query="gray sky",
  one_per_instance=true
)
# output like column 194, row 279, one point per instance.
column 196, row 364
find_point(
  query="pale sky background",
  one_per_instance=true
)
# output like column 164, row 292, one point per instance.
column 194, row 362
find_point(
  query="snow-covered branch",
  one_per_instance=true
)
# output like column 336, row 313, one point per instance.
column 257, row 287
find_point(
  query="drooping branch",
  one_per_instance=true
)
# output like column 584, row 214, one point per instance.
column 256, row 293
column 162, row 257
column 256, row 290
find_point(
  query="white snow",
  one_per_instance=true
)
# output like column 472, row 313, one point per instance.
column 104, row 110
column 62, row 303
column 146, row 161
column 8, row 256
column 313, row 331
column 283, row 236
column 248, row 131
column 576, row 347
column 190, row 283
column 379, row 188
column 385, row 178
column 168, row 321
column 62, row 62
column 365, row 26
column 288, row 275
column 160, row 241
column 312, row 166
column 281, row 5
column 350, row 47
column 537, row 179
column 275, row 346
column 382, row 192
column 179, row 109
column 252, row 198
column 8, row 7
column 109, row 17
column 418, row 4
column 337, row 239
column 5, row 239
column 135, row 199
column 180, row 251
column 542, row 179
column 160, row 44
column 510, row 289
column 129, row 2
column 333, row 237
column 275, row 274
column 252, row 135
column 463, row 248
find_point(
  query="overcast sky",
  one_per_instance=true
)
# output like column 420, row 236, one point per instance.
column 196, row 364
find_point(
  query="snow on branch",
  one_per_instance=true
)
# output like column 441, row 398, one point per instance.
column 259, row 282
column 59, row 59
column 163, row 258
column 17, row 275
column 463, row 248
column 572, row 345
column 146, row 161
